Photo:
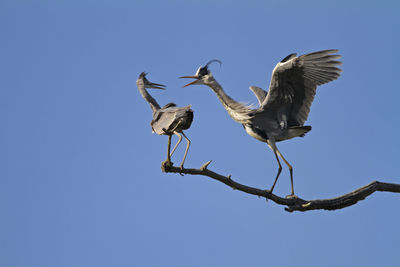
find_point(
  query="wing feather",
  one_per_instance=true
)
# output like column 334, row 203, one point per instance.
column 259, row 93
column 294, row 82
column 166, row 120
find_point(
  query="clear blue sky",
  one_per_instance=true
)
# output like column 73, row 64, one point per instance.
column 80, row 178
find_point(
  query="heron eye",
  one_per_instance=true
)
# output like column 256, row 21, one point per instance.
column 203, row 71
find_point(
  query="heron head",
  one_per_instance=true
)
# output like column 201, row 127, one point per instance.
column 202, row 75
column 147, row 84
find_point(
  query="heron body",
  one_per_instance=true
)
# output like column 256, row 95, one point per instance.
column 169, row 119
column 284, row 109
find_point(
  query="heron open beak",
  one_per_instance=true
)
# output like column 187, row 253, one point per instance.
column 156, row 86
column 191, row 77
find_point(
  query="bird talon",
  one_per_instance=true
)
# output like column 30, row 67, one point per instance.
column 268, row 194
column 181, row 170
column 292, row 196
column 268, row 191
column 166, row 166
column 168, row 163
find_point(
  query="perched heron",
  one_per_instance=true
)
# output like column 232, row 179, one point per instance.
column 285, row 107
column 169, row 119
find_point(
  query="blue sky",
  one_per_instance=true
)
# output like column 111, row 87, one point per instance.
column 80, row 178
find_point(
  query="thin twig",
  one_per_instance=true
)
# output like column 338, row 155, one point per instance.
column 293, row 204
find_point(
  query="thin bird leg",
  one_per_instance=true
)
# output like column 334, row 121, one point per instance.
column 290, row 170
column 179, row 141
column 274, row 148
column 187, row 148
column 168, row 149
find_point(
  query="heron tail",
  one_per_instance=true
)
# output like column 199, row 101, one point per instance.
column 294, row 131
column 301, row 129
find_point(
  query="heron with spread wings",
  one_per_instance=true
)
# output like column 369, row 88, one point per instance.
column 285, row 107
column 169, row 119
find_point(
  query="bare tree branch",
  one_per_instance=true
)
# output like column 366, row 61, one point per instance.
column 293, row 204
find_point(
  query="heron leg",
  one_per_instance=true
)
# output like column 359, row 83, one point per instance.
column 168, row 149
column 290, row 170
column 179, row 141
column 187, row 148
column 273, row 147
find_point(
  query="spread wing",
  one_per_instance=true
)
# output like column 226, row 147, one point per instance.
column 259, row 92
column 294, row 82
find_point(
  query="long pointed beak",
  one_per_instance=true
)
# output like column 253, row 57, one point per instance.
column 156, row 86
column 191, row 77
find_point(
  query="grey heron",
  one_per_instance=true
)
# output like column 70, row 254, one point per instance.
column 169, row 119
column 285, row 107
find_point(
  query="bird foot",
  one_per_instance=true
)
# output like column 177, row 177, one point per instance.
column 269, row 191
column 166, row 165
column 181, row 168
column 292, row 196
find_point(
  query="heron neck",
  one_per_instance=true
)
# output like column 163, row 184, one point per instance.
column 236, row 110
column 153, row 103
column 222, row 96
